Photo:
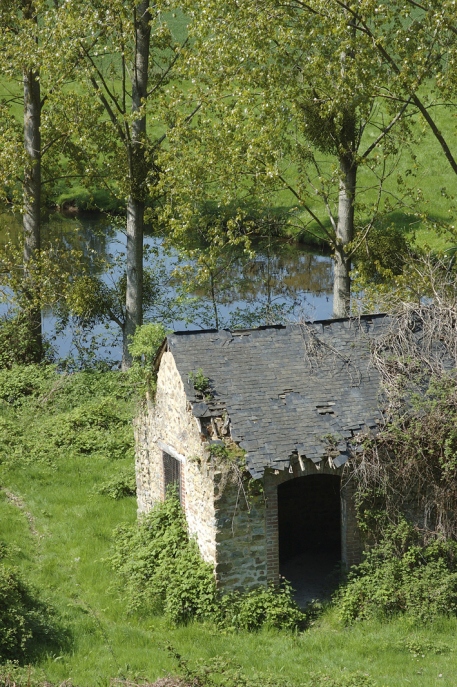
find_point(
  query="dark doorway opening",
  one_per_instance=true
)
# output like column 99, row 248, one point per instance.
column 309, row 519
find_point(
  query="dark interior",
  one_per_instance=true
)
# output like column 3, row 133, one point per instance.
column 309, row 515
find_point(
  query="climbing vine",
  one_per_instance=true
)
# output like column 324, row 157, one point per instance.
column 410, row 468
column 161, row 572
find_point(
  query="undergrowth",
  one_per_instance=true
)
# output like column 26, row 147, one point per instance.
column 26, row 621
column 162, row 571
column 401, row 575
column 58, row 529
column 80, row 414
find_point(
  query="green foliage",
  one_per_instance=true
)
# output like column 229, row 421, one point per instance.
column 17, row 343
column 381, row 255
column 22, row 381
column 399, row 575
column 162, row 572
column 200, row 383
column 143, row 349
column 225, row 672
column 161, row 568
column 262, row 606
column 23, row 618
column 420, row 647
column 67, row 562
column 80, row 414
column 120, row 485
column 95, row 427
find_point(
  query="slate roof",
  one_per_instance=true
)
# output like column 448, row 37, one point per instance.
column 286, row 389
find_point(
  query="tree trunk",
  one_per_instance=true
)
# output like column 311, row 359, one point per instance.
column 32, row 196
column 344, row 236
column 137, row 164
column 134, row 293
column 345, row 224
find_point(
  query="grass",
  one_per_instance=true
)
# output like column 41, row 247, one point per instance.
column 59, row 532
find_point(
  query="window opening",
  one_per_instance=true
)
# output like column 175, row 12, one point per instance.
column 171, row 474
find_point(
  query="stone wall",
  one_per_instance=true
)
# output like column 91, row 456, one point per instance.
column 241, row 538
column 238, row 535
column 169, row 421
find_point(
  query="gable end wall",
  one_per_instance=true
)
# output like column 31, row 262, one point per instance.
column 170, row 420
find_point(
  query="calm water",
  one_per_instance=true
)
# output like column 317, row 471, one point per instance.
column 281, row 283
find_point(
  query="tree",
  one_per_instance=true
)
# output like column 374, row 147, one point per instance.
column 22, row 23
column 118, row 41
column 35, row 68
column 295, row 104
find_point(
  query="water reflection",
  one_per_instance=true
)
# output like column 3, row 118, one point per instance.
column 283, row 281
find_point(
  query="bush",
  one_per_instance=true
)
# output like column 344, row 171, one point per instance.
column 269, row 606
column 143, row 349
column 86, row 413
column 121, row 485
column 161, row 568
column 22, row 381
column 162, row 572
column 95, row 427
column 17, row 343
column 400, row 576
column 25, row 621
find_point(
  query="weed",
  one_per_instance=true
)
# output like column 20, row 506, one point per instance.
column 24, row 619
column 201, row 383
column 121, row 485
column 399, row 575
column 162, row 572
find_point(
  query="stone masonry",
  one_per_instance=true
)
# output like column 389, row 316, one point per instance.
column 170, row 421
column 235, row 525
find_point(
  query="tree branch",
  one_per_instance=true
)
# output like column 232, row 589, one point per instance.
column 167, row 70
column 385, row 131
column 360, row 25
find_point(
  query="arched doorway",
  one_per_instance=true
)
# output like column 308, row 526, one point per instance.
column 309, row 521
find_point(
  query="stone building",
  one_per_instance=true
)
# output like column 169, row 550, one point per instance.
column 295, row 402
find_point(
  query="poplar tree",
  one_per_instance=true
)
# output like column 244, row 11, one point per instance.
column 33, row 66
column 293, row 103
column 128, row 54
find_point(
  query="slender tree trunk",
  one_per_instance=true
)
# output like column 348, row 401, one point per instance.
column 344, row 236
column 346, row 198
column 32, row 187
column 135, row 203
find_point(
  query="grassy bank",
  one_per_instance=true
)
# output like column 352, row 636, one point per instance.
column 62, row 437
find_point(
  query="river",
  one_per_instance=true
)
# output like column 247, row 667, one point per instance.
column 283, row 282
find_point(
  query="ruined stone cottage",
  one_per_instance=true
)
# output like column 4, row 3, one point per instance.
column 294, row 401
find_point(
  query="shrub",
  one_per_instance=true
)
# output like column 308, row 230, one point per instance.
column 160, row 566
column 399, row 575
column 22, row 381
column 86, row 413
column 162, row 572
column 95, row 427
column 121, row 485
column 143, row 349
column 18, row 345
column 269, row 606
column 24, row 620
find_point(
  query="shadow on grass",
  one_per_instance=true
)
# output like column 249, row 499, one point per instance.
column 29, row 626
